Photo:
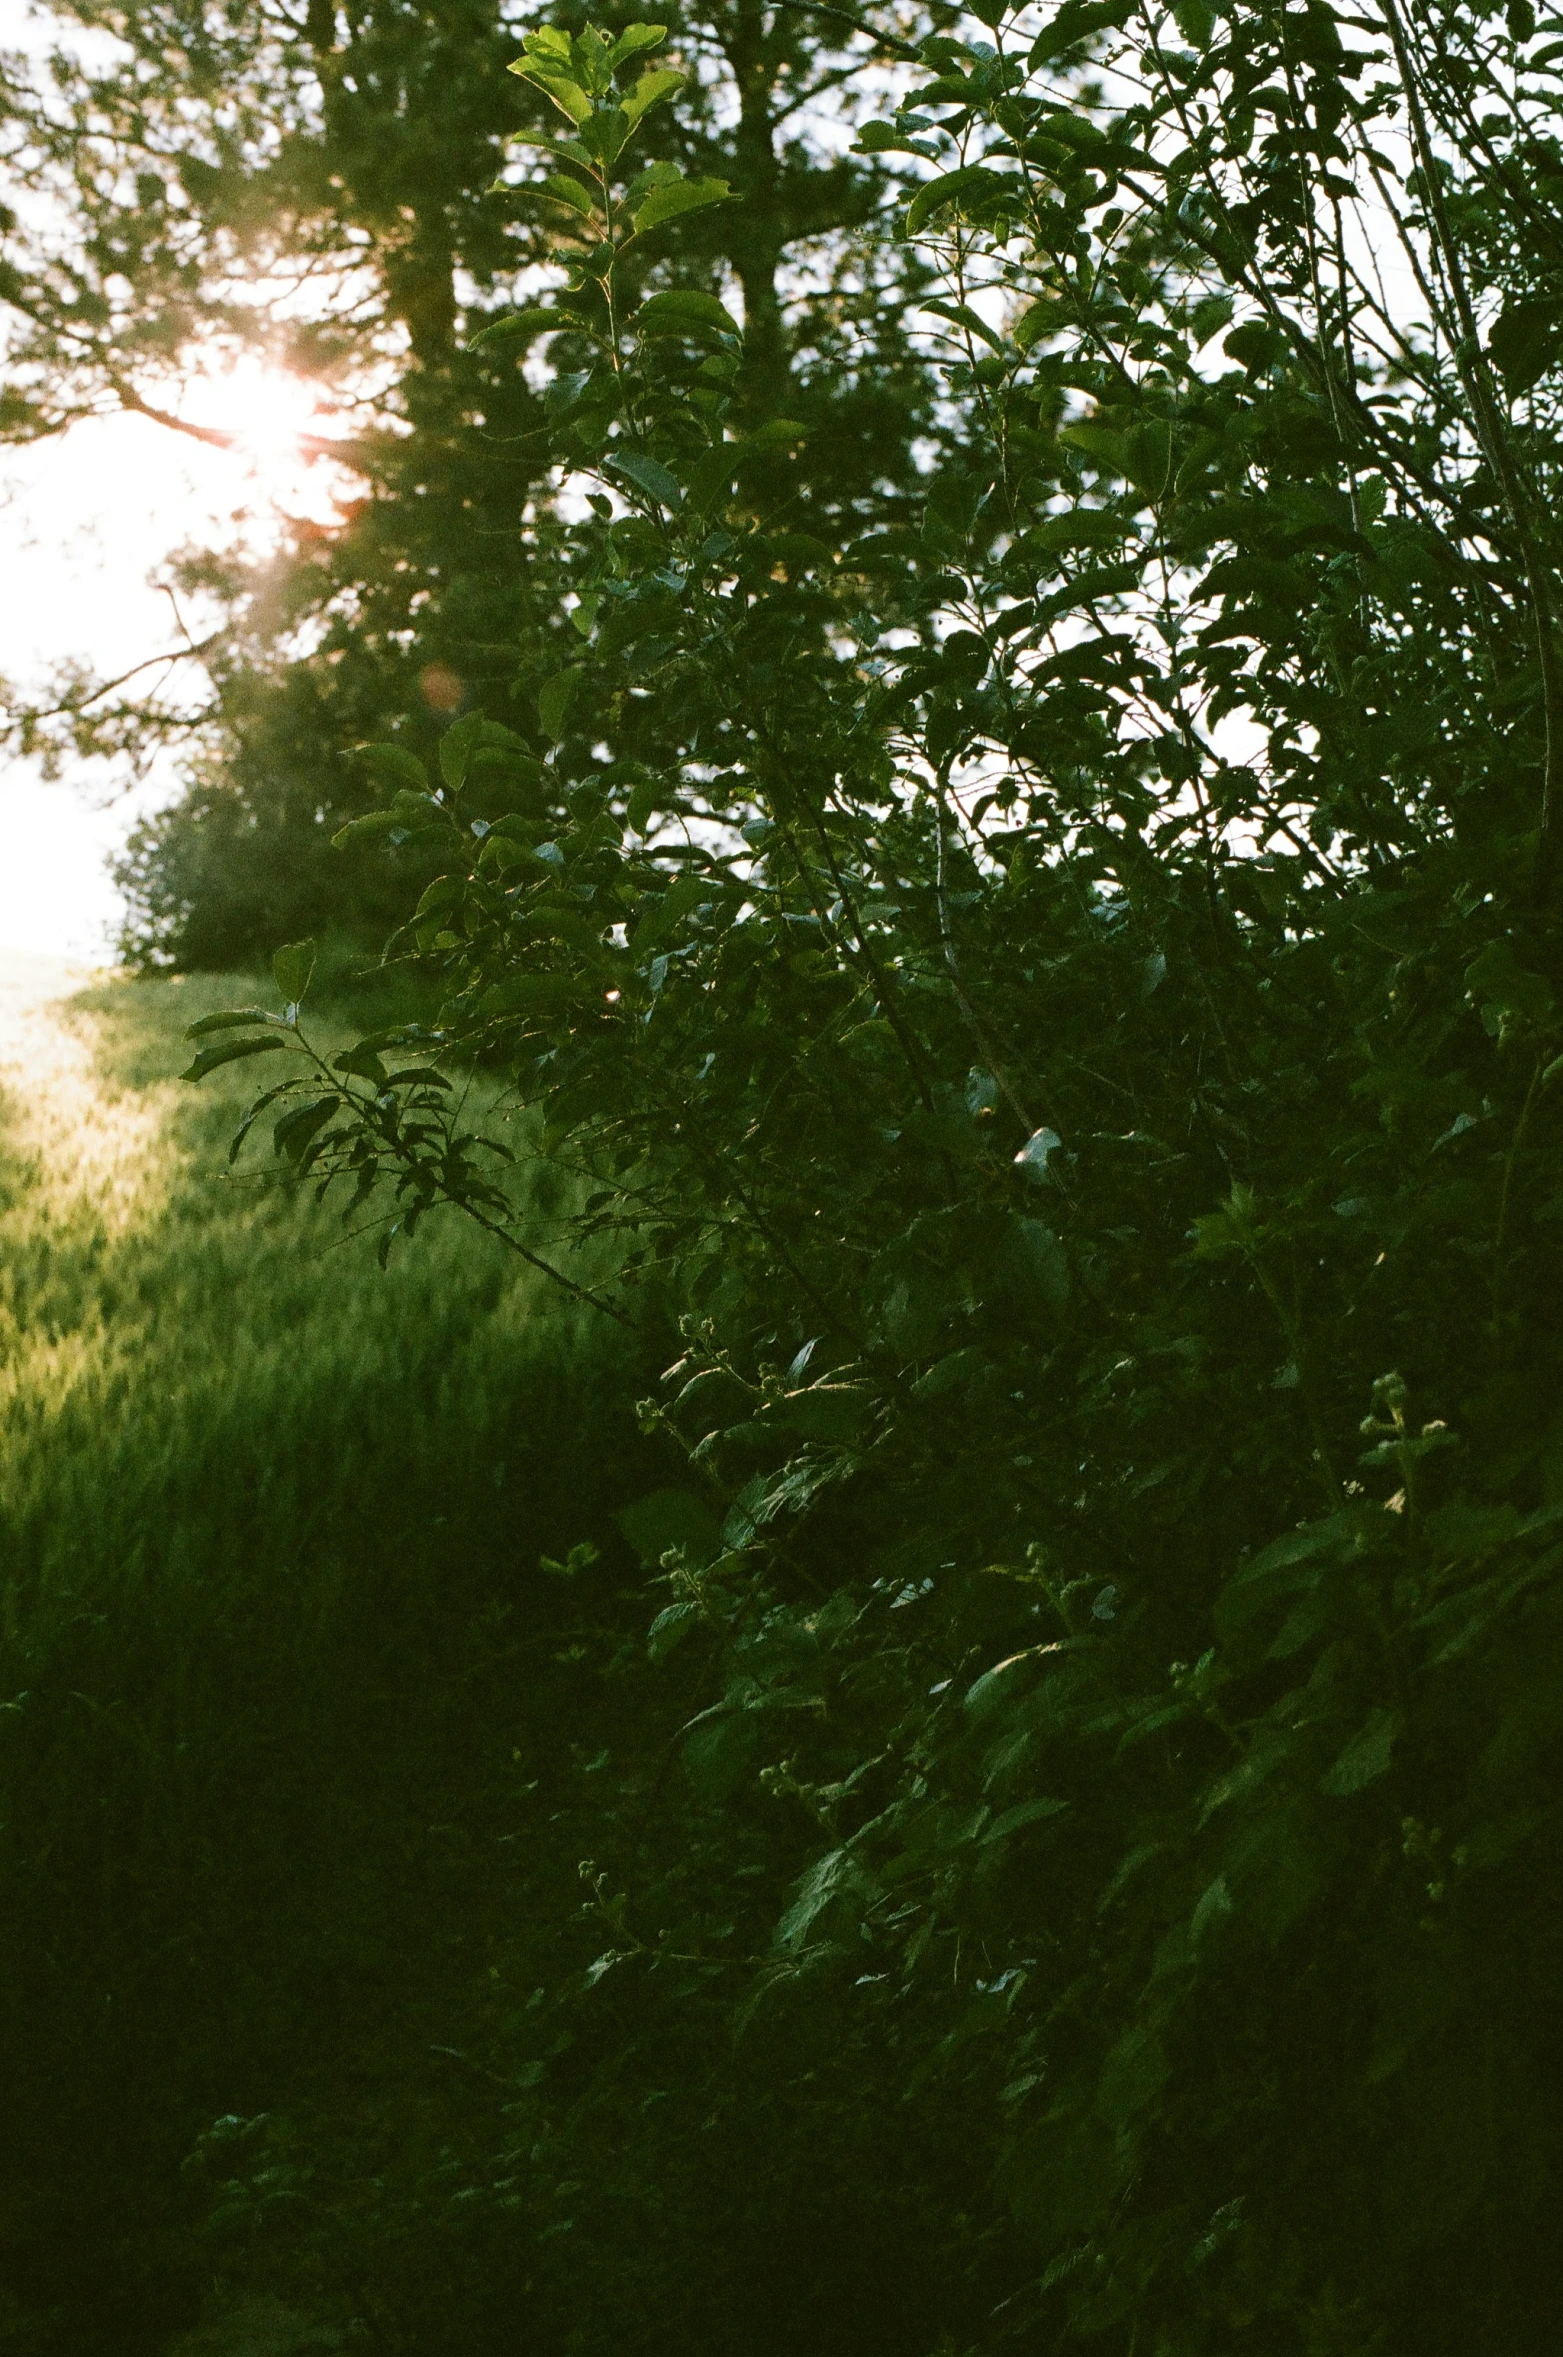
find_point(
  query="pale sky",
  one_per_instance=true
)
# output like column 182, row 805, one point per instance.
column 85, row 520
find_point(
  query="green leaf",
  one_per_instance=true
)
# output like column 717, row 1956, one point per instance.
column 972, row 183
column 670, row 1627
column 1209, row 317
column 267, row 1098
column 394, row 763
column 953, row 1372
column 1196, row 21
column 880, row 138
column 1255, row 344
column 501, row 852
column 1100, row 443
column 777, row 433
column 962, row 315
column 837, row 1875
column 1213, row 1908
column 1489, row 1844
column 684, row 311
column 363, row 1062
column 647, row 93
column 230, row 1021
column 457, row 746
column 567, row 95
column 357, row 830
column 1062, row 2175
column 1463, row 1531
column 713, row 476
column 475, row 744
column 535, row 997
column 232, row 1051
column 1299, row 1562
column 554, row 700
column 673, row 197
column 1082, row 527
column 548, row 143
column 1274, row 1867
column 444, row 892
column 292, row 1134
column 649, row 475
column 830, row 1412
column 1147, row 453
column 1365, row 1758
column 1133, row 2075
column 291, row 969
column 566, row 190
column 517, row 324
column 1045, row 318
column 422, row 811
column 633, row 39
column 1524, row 343
column 1497, row 978
column 1003, row 1681
column 1075, row 22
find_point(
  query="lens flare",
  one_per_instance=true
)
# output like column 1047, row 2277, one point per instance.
column 271, row 417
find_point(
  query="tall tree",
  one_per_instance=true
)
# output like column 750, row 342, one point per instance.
column 316, row 182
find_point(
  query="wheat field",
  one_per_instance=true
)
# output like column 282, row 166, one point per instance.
column 269, row 1519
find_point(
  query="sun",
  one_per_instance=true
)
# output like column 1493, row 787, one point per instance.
column 273, row 420
column 269, row 412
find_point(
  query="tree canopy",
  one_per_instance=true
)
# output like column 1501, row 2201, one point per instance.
column 317, row 186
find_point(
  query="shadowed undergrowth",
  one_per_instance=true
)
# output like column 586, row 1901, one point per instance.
column 308, row 1717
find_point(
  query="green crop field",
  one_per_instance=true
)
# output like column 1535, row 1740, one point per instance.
column 269, row 1523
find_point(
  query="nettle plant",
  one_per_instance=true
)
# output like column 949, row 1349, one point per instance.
column 1061, row 1001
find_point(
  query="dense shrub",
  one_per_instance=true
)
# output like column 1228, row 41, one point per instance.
column 1065, row 997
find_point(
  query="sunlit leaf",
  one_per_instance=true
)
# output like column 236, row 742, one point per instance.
column 291, row 969
column 675, row 197
column 230, row 1051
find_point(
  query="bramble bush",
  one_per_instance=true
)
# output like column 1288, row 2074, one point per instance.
column 1061, row 998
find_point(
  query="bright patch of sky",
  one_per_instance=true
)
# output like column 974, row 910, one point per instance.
column 88, row 520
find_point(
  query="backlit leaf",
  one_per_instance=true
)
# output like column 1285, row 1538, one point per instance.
column 675, row 197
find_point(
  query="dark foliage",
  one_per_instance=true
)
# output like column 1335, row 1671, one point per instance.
column 1072, row 1017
